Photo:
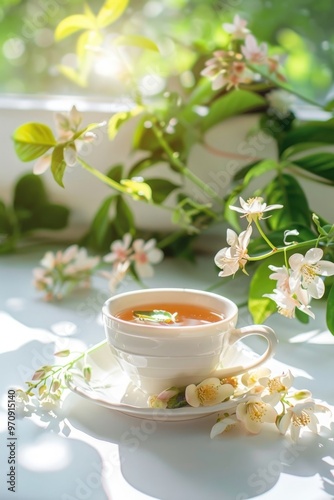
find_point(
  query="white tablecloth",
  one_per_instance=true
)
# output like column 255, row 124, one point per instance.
column 91, row 452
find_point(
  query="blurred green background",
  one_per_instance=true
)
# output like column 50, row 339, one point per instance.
column 186, row 32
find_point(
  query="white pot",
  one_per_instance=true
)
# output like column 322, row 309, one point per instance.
column 83, row 193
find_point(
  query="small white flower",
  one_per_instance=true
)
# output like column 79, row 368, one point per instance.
column 223, row 424
column 276, row 387
column 251, row 378
column 232, row 258
column 307, row 271
column 254, row 413
column 281, row 101
column 253, row 52
column 254, row 208
column 42, row 164
column 145, row 254
column 116, row 276
column 287, row 302
column 238, row 29
column 282, row 276
column 208, row 393
column 292, row 232
column 300, row 416
column 120, row 250
column 155, row 402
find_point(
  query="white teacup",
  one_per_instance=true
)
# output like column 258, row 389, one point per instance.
column 156, row 356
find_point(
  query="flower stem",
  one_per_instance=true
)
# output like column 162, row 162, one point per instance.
column 283, row 86
column 174, row 160
column 102, row 177
column 283, row 249
column 266, row 239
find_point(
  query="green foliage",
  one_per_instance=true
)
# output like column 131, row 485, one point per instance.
column 285, row 190
column 30, row 211
column 32, row 140
column 330, row 310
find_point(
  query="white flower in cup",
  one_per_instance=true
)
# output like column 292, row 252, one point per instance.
column 232, row 258
column 300, row 416
column 306, row 270
column 238, row 29
column 255, row 412
column 145, row 254
column 254, row 208
column 275, row 388
column 208, row 393
column 223, row 424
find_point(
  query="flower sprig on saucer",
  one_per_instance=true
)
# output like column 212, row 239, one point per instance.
column 263, row 399
column 300, row 278
column 48, row 383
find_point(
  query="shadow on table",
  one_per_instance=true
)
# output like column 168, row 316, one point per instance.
column 178, row 460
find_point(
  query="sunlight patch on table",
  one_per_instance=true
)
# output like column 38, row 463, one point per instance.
column 58, row 455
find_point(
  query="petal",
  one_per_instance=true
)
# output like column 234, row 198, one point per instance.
column 295, row 431
column 270, row 414
column 229, row 269
column 155, row 255
column 252, row 426
column 191, row 396
column 295, row 261
column 285, row 422
column 316, row 288
column 231, row 237
column 314, row 255
column 221, row 426
column 138, row 245
column 70, row 156
column 245, row 237
column 144, row 270
column 42, row 164
column 127, row 240
column 326, row 268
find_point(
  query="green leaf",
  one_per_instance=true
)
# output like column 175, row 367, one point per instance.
column 72, row 24
column 161, row 189
column 89, row 128
column 32, row 140
column 136, row 41
column 99, row 229
column 262, row 307
column 142, row 165
column 285, row 190
column 300, row 148
column 51, row 216
column 321, row 164
column 302, row 317
column 330, row 310
column 29, row 192
column 73, row 75
column 118, row 119
column 58, row 164
column 258, row 169
column 116, row 173
column 85, row 42
column 312, row 132
column 124, row 221
column 231, row 104
column 110, row 11
column 156, row 316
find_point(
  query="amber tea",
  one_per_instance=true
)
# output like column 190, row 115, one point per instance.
column 173, row 314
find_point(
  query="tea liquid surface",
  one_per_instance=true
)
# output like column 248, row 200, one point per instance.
column 177, row 314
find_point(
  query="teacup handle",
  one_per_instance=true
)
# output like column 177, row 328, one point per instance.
column 240, row 333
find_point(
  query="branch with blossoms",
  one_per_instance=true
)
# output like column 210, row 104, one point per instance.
column 298, row 280
column 244, row 62
column 259, row 399
column 63, row 271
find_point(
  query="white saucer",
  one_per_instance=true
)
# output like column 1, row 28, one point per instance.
column 111, row 388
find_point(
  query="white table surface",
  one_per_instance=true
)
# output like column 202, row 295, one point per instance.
column 90, row 452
